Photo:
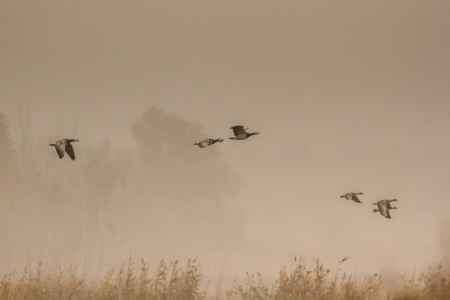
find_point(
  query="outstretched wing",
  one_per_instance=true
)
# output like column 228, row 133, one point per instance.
column 380, row 207
column 59, row 149
column 383, row 203
column 385, row 213
column 238, row 130
column 69, row 150
column 354, row 198
column 383, row 209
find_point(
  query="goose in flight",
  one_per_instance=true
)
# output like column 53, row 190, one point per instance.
column 384, row 206
column 240, row 133
column 65, row 146
column 352, row 196
column 208, row 142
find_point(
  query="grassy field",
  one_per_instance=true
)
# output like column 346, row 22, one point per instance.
column 172, row 281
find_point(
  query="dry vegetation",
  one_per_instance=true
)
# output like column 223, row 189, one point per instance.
column 170, row 281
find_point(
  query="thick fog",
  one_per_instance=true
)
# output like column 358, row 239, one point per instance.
column 347, row 96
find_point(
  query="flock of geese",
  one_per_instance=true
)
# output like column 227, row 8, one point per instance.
column 64, row 146
column 239, row 134
column 383, row 205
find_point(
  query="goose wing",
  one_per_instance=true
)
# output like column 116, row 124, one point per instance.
column 69, row 150
column 59, row 146
column 383, row 203
column 380, row 207
column 383, row 209
column 355, row 198
column 238, row 130
column 385, row 213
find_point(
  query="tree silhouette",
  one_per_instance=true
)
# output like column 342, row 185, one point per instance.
column 8, row 156
column 185, row 172
column 193, row 182
column 8, row 164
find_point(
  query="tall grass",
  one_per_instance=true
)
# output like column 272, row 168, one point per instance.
column 171, row 281
column 309, row 282
column 431, row 284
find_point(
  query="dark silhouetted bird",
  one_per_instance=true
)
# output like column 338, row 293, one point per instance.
column 65, row 146
column 208, row 142
column 352, row 196
column 240, row 133
column 383, row 207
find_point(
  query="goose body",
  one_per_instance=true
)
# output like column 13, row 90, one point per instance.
column 208, row 142
column 63, row 146
column 384, row 206
column 352, row 196
column 240, row 134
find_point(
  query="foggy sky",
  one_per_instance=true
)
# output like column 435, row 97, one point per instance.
column 347, row 96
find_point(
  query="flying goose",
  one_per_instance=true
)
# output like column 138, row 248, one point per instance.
column 352, row 196
column 240, row 133
column 65, row 146
column 207, row 142
column 384, row 206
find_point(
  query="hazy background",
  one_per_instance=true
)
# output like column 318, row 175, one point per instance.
column 347, row 96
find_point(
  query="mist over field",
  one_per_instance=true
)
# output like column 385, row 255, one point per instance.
column 347, row 96
column 108, row 204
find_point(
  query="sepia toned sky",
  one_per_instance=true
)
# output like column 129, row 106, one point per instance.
column 346, row 95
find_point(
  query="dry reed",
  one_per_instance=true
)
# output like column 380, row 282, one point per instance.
column 170, row 281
